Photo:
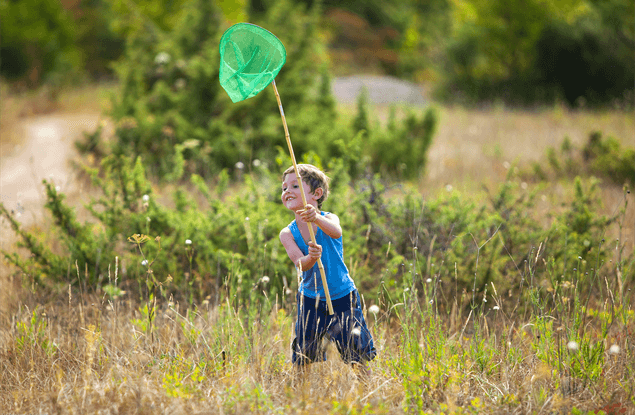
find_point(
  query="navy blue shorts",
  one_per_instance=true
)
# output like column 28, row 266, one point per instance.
column 346, row 327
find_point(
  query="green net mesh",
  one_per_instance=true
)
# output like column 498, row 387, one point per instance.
column 250, row 58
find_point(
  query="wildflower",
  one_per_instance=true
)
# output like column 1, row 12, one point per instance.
column 180, row 83
column 448, row 188
column 573, row 346
column 615, row 349
column 145, row 198
column 264, row 279
column 429, row 280
column 356, row 331
column 496, row 307
column 374, row 309
column 431, row 301
column 188, row 242
column 144, row 262
column 162, row 58
column 240, row 165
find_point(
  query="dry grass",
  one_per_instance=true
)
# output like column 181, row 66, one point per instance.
column 471, row 147
column 92, row 355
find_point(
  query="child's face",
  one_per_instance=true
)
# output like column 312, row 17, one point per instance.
column 292, row 196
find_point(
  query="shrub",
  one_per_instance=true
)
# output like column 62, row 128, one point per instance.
column 606, row 158
column 172, row 111
column 221, row 244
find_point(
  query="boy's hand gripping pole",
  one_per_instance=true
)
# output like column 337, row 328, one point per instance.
column 297, row 175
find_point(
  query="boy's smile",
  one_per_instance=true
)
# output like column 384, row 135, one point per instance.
column 292, row 195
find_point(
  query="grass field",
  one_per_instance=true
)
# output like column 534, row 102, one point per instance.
column 85, row 350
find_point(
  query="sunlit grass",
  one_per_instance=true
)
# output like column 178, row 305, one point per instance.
column 95, row 352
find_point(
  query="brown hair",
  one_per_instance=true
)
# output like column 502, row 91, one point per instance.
column 314, row 177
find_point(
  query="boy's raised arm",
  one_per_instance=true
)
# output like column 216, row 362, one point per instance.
column 329, row 223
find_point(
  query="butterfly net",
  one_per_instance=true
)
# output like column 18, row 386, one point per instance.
column 250, row 58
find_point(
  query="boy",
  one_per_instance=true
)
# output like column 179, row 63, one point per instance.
column 346, row 327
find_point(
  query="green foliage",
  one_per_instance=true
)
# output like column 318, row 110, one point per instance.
column 221, row 242
column 603, row 157
column 32, row 335
column 535, row 52
column 38, row 42
column 608, row 158
column 172, row 111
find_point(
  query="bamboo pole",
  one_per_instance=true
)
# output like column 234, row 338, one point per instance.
column 297, row 175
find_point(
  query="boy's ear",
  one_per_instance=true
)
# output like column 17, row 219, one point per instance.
column 318, row 192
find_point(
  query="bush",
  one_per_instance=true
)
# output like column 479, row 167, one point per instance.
column 606, row 158
column 528, row 53
column 38, row 42
column 222, row 243
column 173, row 112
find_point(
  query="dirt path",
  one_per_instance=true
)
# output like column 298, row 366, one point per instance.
column 45, row 149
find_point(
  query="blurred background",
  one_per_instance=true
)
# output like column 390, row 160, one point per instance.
column 529, row 52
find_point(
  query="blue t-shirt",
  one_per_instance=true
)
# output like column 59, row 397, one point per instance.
column 339, row 281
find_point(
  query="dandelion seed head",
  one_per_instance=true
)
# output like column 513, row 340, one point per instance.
column 240, row 165
column 188, row 242
column 256, row 163
column 614, row 349
column 496, row 307
column 162, row 58
column 145, row 198
column 180, row 83
column 144, row 262
column 429, row 280
column 265, row 279
column 356, row 331
column 374, row 309
column 573, row 346
column 57, row 188
column 448, row 188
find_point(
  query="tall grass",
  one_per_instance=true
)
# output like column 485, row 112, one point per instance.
column 92, row 351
